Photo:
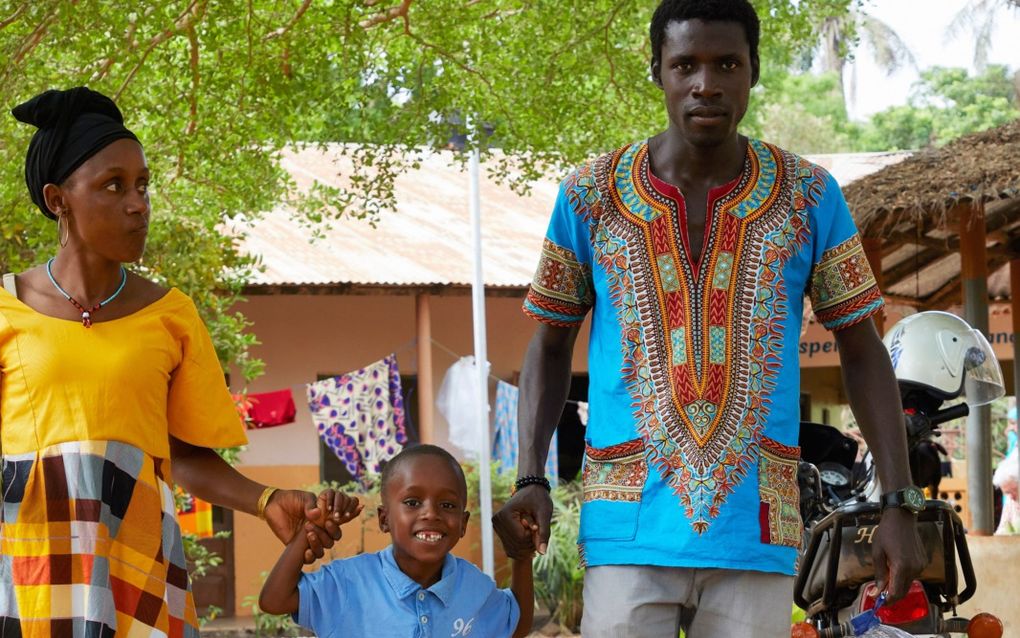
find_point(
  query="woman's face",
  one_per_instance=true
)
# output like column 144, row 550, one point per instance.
column 107, row 202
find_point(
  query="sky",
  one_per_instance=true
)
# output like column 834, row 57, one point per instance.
column 922, row 25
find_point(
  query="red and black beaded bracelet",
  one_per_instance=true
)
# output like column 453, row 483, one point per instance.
column 525, row 481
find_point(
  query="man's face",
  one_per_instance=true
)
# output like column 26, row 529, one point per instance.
column 706, row 76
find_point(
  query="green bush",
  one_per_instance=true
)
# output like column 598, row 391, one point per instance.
column 559, row 576
column 269, row 624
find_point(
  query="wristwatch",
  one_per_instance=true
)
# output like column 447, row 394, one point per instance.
column 910, row 498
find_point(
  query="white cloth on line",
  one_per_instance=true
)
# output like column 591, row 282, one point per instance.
column 458, row 401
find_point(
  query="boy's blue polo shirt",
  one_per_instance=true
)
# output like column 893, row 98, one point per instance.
column 368, row 595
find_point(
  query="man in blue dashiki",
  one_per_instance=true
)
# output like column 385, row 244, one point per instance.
column 693, row 250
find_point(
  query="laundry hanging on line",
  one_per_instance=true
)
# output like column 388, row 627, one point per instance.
column 270, row 409
column 194, row 515
column 506, row 444
column 582, row 413
column 457, row 401
column 360, row 417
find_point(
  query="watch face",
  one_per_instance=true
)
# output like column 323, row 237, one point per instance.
column 913, row 499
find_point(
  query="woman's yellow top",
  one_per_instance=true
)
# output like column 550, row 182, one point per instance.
column 136, row 379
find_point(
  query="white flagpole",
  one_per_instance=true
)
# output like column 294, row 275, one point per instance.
column 481, row 363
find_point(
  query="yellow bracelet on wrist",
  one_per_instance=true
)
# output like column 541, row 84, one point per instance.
column 260, row 507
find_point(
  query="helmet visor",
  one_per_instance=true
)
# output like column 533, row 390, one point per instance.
column 982, row 382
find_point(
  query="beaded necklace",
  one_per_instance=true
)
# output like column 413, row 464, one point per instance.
column 86, row 313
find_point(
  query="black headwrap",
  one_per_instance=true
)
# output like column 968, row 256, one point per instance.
column 73, row 126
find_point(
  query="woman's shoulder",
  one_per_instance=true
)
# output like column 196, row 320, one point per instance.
column 170, row 300
column 146, row 290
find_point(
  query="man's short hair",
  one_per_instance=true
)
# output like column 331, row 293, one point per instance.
column 423, row 449
column 739, row 11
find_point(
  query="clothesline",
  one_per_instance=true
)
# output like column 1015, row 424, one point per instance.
column 491, row 376
column 300, row 387
column 458, row 356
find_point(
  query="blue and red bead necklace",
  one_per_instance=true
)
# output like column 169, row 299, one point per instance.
column 86, row 313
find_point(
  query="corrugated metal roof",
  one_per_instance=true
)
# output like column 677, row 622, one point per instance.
column 426, row 241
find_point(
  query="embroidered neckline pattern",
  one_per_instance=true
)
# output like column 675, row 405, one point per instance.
column 700, row 349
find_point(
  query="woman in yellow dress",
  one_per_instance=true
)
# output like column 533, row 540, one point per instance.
column 110, row 390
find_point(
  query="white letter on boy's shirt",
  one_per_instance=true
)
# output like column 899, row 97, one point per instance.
column 461, row 628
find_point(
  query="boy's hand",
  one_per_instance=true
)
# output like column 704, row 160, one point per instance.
column 332, row 509
column 530, row 527
column 335, row 506
column 287, row 511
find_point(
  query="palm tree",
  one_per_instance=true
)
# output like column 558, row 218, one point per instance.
column 977, row 18
column 840, row 35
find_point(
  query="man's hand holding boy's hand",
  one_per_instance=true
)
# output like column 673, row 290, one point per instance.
column 530, row 527
column 523, row 523
column 333, row 509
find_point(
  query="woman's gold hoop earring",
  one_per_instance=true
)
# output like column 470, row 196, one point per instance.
column 62, row 239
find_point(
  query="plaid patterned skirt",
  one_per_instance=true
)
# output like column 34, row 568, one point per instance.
column 90, row 546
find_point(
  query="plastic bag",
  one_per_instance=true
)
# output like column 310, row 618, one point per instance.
column 867, row 625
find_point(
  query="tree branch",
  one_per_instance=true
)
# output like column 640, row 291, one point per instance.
column 185, row 21
column 609, row 58
column 459, row 63
column 553, row 67
column 30, row 42
column 6, row 22
column 290, row 25
column 130, row 45
column 195, row 80
column 250, row 38
column 388, row 16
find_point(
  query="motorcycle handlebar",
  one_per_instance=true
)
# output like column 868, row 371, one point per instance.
column 952, row 412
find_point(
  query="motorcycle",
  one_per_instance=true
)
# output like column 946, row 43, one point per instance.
column 936, row 357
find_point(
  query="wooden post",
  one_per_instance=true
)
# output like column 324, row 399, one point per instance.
column 426, row 403
column 873, row 251
column 974, row 279
column 1014, row 297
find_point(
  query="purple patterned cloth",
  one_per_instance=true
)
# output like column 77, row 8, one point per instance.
column 360, row 417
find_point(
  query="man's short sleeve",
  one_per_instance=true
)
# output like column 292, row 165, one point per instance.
column 322, row 599
column 843, row 288
column 562, row 292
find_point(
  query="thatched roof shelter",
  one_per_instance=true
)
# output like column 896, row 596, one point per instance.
column 913, row 206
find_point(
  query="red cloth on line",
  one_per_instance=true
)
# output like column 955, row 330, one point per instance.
column 269, row 409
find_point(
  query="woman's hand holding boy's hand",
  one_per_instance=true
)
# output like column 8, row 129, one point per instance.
column 287, row 512
column 339, row 506
column 333, row 509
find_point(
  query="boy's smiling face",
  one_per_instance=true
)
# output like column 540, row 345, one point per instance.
column 423, row 510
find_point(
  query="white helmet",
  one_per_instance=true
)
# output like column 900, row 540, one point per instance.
column 940, row 353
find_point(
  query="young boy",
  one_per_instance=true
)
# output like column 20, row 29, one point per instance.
column 414, row 587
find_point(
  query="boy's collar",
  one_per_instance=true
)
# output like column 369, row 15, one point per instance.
column 403, row 586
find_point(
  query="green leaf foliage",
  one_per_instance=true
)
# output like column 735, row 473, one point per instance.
column 946, row 103
column 217, row 90
column 803, row 113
